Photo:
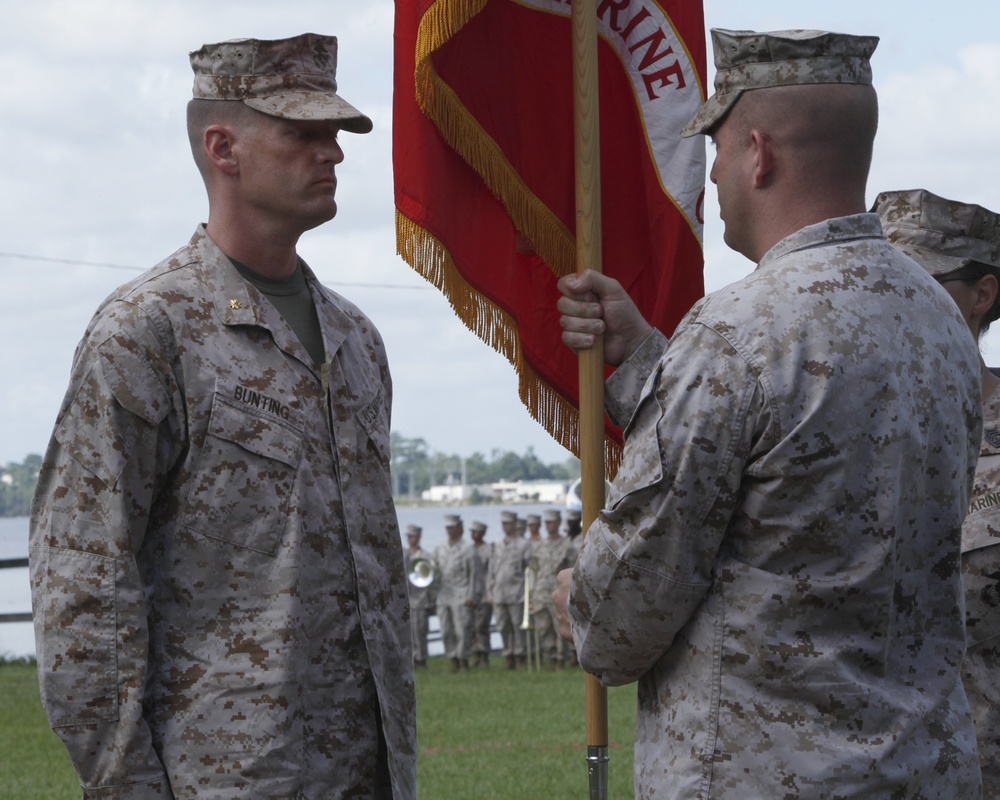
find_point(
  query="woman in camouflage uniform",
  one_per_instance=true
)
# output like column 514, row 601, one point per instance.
column 959, row 244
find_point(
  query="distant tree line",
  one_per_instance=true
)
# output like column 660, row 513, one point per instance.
column 17, row 485
column 415, row 468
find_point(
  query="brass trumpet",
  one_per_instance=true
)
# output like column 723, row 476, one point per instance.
column 421, row 573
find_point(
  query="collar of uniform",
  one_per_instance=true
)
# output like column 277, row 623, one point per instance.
column 234, row 299
column 337, row 316
column 831, row 231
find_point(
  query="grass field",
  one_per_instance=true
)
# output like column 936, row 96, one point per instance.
column 482, row 735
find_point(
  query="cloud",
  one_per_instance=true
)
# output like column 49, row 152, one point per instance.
column 939, row 127
column 95, row 167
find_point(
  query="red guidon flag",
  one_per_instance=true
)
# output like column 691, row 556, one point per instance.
column 484, row 171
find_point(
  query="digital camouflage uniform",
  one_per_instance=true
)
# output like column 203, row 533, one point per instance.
column 217, row 578
column 981, row 572
column 482, row 611
column 422, row 603
column 549, row 557
column 505, row 584
column 945, row 237
column 455, row 576
column 778, row 565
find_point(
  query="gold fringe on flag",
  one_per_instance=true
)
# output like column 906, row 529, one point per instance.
column 549, row 237
column 429, row 257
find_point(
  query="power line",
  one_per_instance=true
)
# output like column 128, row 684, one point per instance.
column 75, row 262
column 106, row 265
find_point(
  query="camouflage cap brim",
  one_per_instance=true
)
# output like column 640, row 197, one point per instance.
column 311, row 106
column 715, row 108
column 939, row 234
column 935, row 263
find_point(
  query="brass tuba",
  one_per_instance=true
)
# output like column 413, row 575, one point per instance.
column 421, row 573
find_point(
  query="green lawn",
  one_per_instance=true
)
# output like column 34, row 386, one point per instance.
column 496, row 735
column 33, row 763
column 482, row 735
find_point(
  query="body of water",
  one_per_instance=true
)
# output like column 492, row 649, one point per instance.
column 17, row 639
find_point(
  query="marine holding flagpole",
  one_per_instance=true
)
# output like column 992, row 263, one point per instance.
column 794, row 622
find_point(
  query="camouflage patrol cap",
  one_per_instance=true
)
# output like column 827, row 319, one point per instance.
column 747, row 60
column 941, row 235
column 294, row 78
column 534, row 519
column 413, row 530
column 478, row 526
column 551, row 515
column 452, row 520
column 508, row 516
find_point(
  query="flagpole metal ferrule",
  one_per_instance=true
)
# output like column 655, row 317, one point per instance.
column 597, row 768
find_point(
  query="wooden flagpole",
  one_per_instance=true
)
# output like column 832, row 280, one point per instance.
column 586, row 126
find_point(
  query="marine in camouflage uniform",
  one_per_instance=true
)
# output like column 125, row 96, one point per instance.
column 981, row 574
column 550, row 555
column 505, row 589
column 217, row 578
column 455, row 583
column 959, row 245
column 482, row 609
column 533, row 528
column 422, row 599
column 778, row 565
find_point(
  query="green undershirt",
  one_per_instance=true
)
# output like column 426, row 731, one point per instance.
column 291, row 297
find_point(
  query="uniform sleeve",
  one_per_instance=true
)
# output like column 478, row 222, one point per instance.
column 470, row 560
column 624, row 387
column 491, row 571
column 97, row 484
column 648, row 559
column 435, row 558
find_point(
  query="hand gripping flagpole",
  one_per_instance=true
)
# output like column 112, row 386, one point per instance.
column 586, row 126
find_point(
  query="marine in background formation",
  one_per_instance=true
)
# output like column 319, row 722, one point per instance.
column 421, row 594
column 482, row 609
column 550, row 556
column 455, row 570
column 505, row 589
column 533, row 523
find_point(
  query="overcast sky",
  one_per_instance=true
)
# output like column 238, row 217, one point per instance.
column 95, row 170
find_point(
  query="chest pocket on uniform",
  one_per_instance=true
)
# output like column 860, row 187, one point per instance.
column 244, row 478
column 643, row 467
column 373, row 421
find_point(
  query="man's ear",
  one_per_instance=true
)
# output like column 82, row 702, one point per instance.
column 218, row 143
column 763, row 155
column 986, row 294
